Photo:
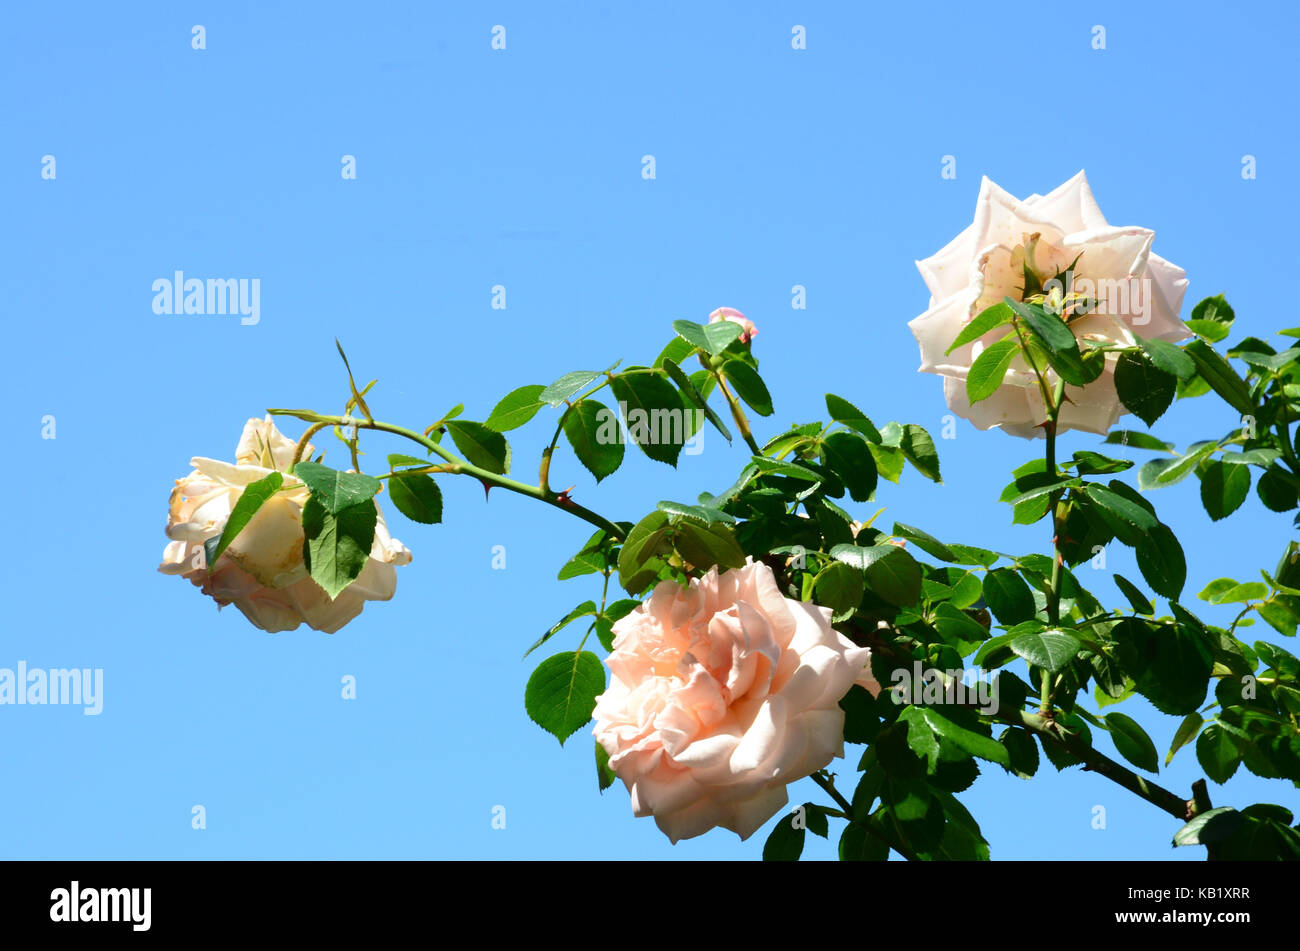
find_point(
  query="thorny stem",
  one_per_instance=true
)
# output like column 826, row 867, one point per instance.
column 459, row 466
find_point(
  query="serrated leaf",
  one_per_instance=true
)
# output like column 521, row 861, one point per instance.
column 593, row 432
column 1145, row 390
column 1224, row 488
column 918, row 447
column 1008, row 597
column 252, row 499
column 585, row 609
column 989, row 369
column 1132, row 742
column 654, row 414
column 712, row 338
column 1051, row 650
column 561, row 693
column 417, row 497
column 336, row 545
column 336, row 490
column 481, row 446
column 1185, row 733
column 842, row 411
column 516, row 408
column 986, row 320
column 749, row 386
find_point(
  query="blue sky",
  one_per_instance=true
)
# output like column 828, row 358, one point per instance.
column 522, row 167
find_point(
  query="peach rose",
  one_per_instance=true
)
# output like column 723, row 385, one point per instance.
column 736, row 317
column 721, row 694
column 262, row 572
column 1137, row 291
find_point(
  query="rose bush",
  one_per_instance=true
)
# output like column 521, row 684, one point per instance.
column 1013, row 248
column 721, row 694
column 263, row 572
column 738, row 662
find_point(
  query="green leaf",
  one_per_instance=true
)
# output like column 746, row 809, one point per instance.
column 1223, row 379
column 516, row 408
column 569, row 385
column 1145, row 390
column 337, row 544
column 1094, row 463
column 705, row 546
column 248, row 505
column 1213, row 825
column 655, row 414
column 1130, row 522
column 1185, row 733
column 483, row 447
column 1022, row 752
column 1212, row 318
column 589, row 427
column 988, row 319
column 561, row 693
column 1051, row 650
column 989, row 369
column 1275, row 490
column 693, row 394
column 417, row 497
column 839, row 588
column 711, row 338
column 926, row 542
column 850, row 459
column 842, row 411
column 785, row 841
column 396, row 459
column 1217, row 753
column 1047, row 327
column 604, row 775
column 976, row 744
column 895, row 577
column 919, row 449
column 1135, row 597
column 1008, row 597
column 749, row 386
column 1162, row 563
column 1138, row 440
column 1169, row 358
column 583, row 563
column 678, row 350
column 643, row 542
column 1224, row 488
column 1132, row 742
column 336, row 490
column 585, row 609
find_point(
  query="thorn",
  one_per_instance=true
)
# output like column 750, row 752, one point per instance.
column 487, row 487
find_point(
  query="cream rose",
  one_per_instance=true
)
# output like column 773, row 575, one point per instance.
column 262, row 572
column 721, row 694
column 736, row 317
column 1138, row 291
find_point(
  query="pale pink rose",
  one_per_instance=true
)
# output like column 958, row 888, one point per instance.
column 736, row 317
column 721, row 694
column 262, row 572
column 983, row 264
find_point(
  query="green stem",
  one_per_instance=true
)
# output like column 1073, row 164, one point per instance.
column 1048, row 685
column 1098, row 762
column 461, row 467
column 738, row 414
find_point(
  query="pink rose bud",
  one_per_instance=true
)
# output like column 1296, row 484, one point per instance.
column 736, row 317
